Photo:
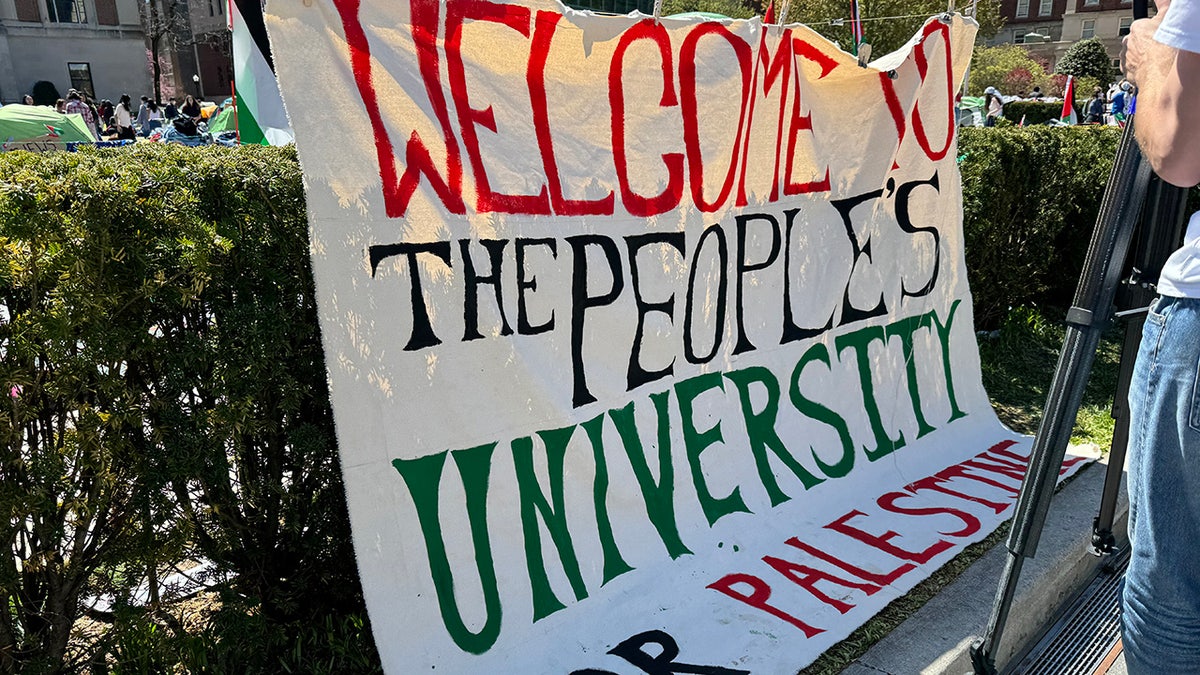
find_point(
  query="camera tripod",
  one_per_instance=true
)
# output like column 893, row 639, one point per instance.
column 1140, row 223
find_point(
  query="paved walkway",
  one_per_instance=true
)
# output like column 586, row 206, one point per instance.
column 935, row 640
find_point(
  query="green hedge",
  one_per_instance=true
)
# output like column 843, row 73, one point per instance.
column 165, row 400
column 1036, row 112
column 1030, row 199
column 164, row 392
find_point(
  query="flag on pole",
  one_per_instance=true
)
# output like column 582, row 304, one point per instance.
column 261, row 119
column 856, row 29
column 1068, row 115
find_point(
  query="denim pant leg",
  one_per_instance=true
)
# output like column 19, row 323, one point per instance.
column 1161, row 595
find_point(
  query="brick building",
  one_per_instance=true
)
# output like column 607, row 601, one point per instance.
column 1047, row 28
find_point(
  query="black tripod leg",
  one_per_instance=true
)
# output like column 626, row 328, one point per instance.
column 1159, row 233
column 1090, row 312
column 1103, row 540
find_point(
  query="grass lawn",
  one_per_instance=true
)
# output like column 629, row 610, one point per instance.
column 1018, row 363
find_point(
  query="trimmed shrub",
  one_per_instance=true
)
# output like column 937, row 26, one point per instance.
column 1030, row 200
column 165, row 390
column 1035, row 112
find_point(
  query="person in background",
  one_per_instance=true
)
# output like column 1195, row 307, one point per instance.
column 1160, row 600
column 1036, row 94
column 111, row 132
column 1095, row 107
column 75, row 105
column 104, row 110
column 90, row 102
column 171, row 110
column 190, row 107
column 142, row 113
column 154, row 119
column 993, row 106
column 28, row 100
column 1120, row 103
column 124, row 118
column 60, row 105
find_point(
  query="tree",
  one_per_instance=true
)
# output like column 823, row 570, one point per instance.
column 1088, row 58
column 888, row 24
column 730, row 8
column 166, row 24
column 1009, row 68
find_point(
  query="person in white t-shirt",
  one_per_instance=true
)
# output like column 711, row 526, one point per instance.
column 1160, row 602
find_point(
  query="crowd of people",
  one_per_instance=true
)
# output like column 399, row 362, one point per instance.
column 108, row 121
column 1110, row 108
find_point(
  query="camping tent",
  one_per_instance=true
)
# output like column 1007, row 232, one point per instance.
column 970, row 111
column 222, row 121
column 38, row 128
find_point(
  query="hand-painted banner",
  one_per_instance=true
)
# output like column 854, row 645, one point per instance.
column 650, row 343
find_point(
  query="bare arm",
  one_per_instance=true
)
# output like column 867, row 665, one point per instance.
column 1168, row 102
column 1168, row 120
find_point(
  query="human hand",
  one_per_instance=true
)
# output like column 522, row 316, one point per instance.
column 1137, row 46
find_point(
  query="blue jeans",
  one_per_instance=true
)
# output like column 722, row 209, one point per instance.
column 1161, row 596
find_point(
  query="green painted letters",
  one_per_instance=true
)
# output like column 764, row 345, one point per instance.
column 695, row 442
column 659, row 496
column 423, row 477
column 760, row 429
column 533, row 504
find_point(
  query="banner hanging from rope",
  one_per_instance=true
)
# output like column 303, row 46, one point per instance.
column 649, row 341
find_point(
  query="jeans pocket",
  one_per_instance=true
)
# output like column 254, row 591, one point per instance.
column 1157, row 313
column 1194, row 413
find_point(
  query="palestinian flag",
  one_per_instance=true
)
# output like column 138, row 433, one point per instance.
column 1068, row 115
column 856, row 27
column 261, row 119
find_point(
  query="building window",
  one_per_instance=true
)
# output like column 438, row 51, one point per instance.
column 1090, row 3
column 66, row 11
column 1022, row 7
column 613, row 6
column 81, row 78
column 1088, row 30
column 1019, row 37
column 1124, row 27
column 106, row 13
column 1045, row 7
column 27, row 10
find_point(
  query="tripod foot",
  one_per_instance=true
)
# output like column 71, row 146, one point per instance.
column 981, row 661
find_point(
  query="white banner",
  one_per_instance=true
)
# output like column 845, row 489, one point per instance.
column 650, row 342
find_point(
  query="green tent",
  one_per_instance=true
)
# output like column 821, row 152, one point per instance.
column 222, row 121
column 28, row 124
